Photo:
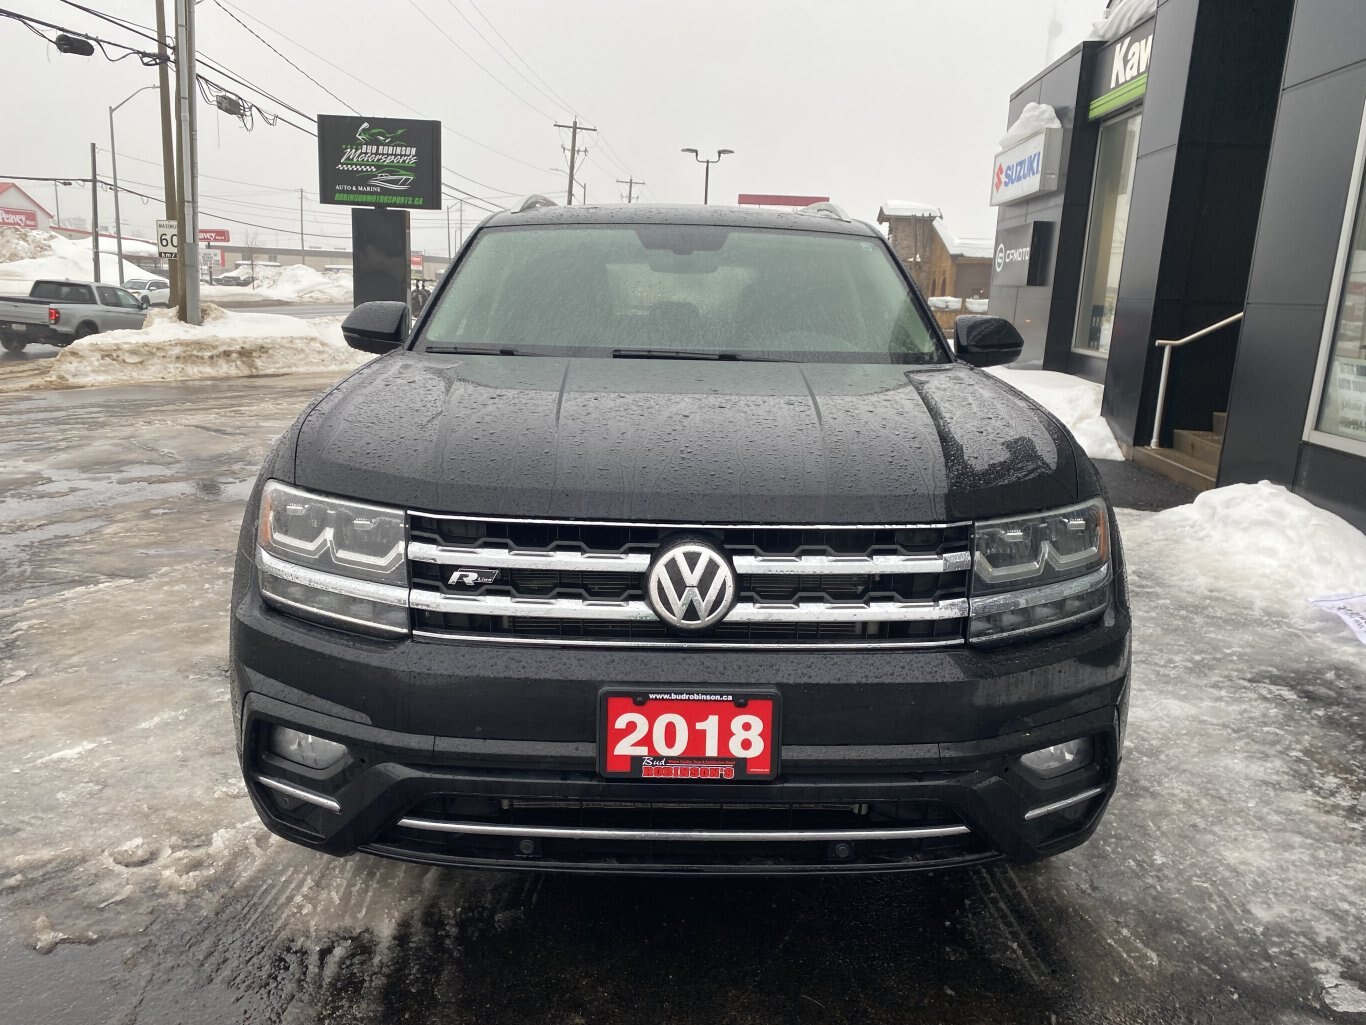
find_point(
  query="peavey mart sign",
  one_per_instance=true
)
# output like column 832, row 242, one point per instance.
column 1121, row 71
column 379, row 161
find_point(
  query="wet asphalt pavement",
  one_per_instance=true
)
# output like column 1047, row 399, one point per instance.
column 1227, row 884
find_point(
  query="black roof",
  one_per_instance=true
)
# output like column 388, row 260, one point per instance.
column 649, row 213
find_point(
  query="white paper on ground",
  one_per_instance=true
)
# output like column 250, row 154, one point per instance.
column 1351, row 607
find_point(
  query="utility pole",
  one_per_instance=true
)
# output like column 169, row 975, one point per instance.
column 460, row 227
column 630, row 184
column 95, row 210
column 574, row 130
column 57, row 198
column 301, row 227
column 168, row 174
column 188, row 192
column 584, row 186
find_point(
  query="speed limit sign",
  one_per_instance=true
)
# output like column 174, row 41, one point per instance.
column 168, row 238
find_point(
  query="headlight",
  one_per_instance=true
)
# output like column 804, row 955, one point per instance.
column 1039, row 573
column 332, row 561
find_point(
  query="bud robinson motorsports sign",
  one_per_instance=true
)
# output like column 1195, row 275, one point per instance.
column 379, row 161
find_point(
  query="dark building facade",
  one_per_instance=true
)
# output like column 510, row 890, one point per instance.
column 1208, row 163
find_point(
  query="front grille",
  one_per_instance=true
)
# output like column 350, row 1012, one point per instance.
column 583, row 583
column 899, row 833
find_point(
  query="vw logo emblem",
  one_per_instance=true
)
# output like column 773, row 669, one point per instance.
column 691, row 585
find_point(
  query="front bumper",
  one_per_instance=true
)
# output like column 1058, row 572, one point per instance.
column 461, row 755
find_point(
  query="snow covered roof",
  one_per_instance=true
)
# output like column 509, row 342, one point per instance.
column 6, row 186
column 907, row 208
column 974, row 248
column 1123, row 16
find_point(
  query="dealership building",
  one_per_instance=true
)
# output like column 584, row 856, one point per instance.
column 1196, row 178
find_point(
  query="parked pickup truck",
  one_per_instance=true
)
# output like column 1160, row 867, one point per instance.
column 59, row 312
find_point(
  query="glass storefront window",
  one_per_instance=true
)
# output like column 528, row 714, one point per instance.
column 1115, row 158
column 1342, row 403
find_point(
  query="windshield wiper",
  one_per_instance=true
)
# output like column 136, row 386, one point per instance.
column 695, row 354
column 482, row 350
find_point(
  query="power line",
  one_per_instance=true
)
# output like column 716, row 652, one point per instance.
column 277, row 53
column 475, row 28
column 450, row 39
column 568, row 106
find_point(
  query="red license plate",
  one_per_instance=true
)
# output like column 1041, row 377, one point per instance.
column 693, row 737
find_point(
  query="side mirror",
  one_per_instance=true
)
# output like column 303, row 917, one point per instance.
column 376, row 327
column 145, row 302
column 986, row 341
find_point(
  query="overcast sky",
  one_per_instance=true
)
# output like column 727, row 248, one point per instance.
column 861, row 100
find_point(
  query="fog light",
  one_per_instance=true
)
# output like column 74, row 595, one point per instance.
column 304, row 748
column 1048, row 762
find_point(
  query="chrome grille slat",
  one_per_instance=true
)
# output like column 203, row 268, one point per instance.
column 583, row 582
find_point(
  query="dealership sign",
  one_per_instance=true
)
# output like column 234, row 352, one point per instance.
column 1021, row 254
column 1027, row 168
column 10, row 218
column 214, row 235
column 379, row 162
column 1121, row 71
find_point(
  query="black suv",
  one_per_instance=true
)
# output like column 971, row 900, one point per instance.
column 674, row 540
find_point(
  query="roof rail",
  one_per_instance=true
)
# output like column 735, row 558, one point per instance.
column 535, row 202
column 824, row 210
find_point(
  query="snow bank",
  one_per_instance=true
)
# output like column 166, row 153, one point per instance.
column 1260, row 547
column 1122, row 17
column 1033, row 119
column 295, row 283
column 27, row 255
column 227, row 344
column 1073, row 401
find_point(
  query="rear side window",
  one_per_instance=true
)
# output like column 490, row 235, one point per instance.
column 596, row 290
column 61, row 291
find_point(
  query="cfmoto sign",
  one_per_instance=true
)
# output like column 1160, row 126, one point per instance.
column 1021, row 256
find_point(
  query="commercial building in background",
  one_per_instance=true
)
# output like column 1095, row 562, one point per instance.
column 20, row 210
column 1204, row 161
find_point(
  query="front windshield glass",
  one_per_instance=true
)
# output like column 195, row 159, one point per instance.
column 703, row 291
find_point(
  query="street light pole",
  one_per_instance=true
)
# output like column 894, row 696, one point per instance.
column 706, row 176
column 114, row 167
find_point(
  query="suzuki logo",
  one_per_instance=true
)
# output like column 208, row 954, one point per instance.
column 1000, row 176
column 691, row 585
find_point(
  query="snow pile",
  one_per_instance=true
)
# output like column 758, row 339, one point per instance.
column 1032, row 120
column 227, row 344
column 291, row 284
column 1261, row 547
column 1073, row 401
column 24, row 244
column 57, row 257
column 1122, row 17
column 953, row 303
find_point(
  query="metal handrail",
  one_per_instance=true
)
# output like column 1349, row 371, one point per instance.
column 1168, row 345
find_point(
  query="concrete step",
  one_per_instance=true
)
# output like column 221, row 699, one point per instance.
column 1220, row 421
column 1203, row 445
column 1185, row 469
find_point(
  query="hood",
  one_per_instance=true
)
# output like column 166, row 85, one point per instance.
column 684, row 441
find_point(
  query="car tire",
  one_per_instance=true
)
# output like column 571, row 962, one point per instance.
column 85, row 331
column 13, row 344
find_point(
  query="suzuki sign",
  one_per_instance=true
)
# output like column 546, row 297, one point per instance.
column 1027, row 168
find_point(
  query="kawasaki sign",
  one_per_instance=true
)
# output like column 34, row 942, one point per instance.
column 1121, row 71
column 380, row 162
column 1027, row 168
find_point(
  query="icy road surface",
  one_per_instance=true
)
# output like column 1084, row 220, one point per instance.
column 1228, row 883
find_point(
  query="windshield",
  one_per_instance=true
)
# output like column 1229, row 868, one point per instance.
column 684, row 291
column 135, row 284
